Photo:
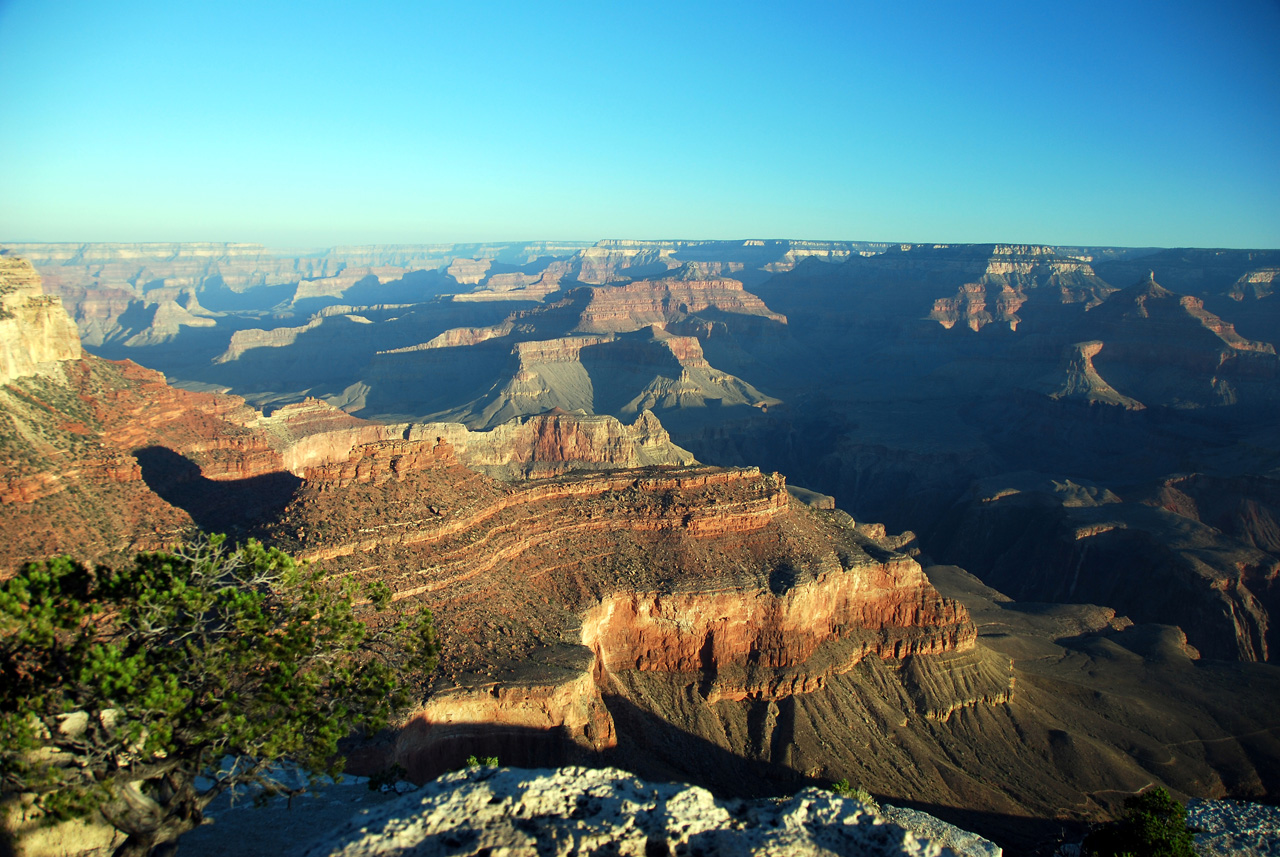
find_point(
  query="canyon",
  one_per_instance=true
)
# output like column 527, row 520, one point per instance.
column 584, row 460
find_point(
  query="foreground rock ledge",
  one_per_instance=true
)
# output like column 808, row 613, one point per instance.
column 587, row 811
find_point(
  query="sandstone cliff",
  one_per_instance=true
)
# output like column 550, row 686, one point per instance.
column 1165, row 348
column 103, row 458
column 661, row 301
column 35, row 332
column 1077, row 379
column 555, row 596
column 697, row 623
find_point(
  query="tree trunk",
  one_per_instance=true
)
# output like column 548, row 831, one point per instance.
column 154, row 827
column 135, row 845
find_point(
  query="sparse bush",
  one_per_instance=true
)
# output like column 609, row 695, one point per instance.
column 844, row 789
column 474, row 761
column 1153, row 825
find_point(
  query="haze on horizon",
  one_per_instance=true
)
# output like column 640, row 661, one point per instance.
column 310, row 125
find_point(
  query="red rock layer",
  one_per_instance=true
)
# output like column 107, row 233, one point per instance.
column 381, row 461
column 746, row 500
column 711, row 577
column 646, row 302
column 759, row 644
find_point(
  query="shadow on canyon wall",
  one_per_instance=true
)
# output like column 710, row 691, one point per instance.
column 659, row 751
column 237, row 507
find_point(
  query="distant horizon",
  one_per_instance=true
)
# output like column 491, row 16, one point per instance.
column 281, row 249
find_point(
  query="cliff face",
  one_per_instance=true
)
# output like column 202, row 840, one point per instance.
column 696, row 623
column 1163, row 348
column 555, row 596
column 35, row 331
column 764, row 647
column 661, row 301
column 1077, row 379
column 554, row 443
column 1044, row 540
column 95, row 421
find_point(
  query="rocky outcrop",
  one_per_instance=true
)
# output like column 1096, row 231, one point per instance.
column 1013, row 274
column 613, row 261
column 279, row 337
column 557, row 442
column 589, row 811
column 621, row 374
column 458, row 337
column 468, row 272
column 661, row 301
column 1076, row 379
column 708, row 580
column 549, row 712
column 35, row 332
column 1256, row 284
column 766, row 646
column 1163, row 348
column 337, row 285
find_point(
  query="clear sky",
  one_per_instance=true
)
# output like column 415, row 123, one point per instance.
column 311, row 124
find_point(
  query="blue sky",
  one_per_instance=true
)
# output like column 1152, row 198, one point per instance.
column 307, row 125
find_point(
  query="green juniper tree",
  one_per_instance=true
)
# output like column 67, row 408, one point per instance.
column 119, row 688
column 1153, row 825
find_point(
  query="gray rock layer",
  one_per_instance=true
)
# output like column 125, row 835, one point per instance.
column 585, row 811
column 1235, row 829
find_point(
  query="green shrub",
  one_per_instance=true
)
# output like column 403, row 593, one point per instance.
column 844, row 789
column 121, row 690
column 1153, row 825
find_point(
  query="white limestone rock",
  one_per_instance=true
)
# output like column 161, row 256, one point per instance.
column 587, row 811
column 959, row 840
column 1235, row 828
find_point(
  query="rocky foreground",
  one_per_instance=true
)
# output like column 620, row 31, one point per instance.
column 583, row 811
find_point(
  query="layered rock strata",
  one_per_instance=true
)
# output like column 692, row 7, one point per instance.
column 1062, row 541
column 555, row 595
column 660, row 301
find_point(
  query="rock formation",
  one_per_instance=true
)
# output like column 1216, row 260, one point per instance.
column 708, row 578
column 1164, row 348
column 642, row 303
column 1040, row 539
column 603, row 599
column 1077, row 379
column 35, row 333
column 606, row 350
column 604, row 811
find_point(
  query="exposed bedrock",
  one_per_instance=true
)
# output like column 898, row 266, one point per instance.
column 550, row 713
column 659, row 301
column 1041, row 539
column 597, row 812
column 555, row 596
column 35, row 332
column 773, row 644
column 1163, row 348
column 1076, row 379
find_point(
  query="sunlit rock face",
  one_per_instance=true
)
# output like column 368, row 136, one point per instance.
column 35, row 331
column 660, row 301
column 611, row 812
column 560, row 599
